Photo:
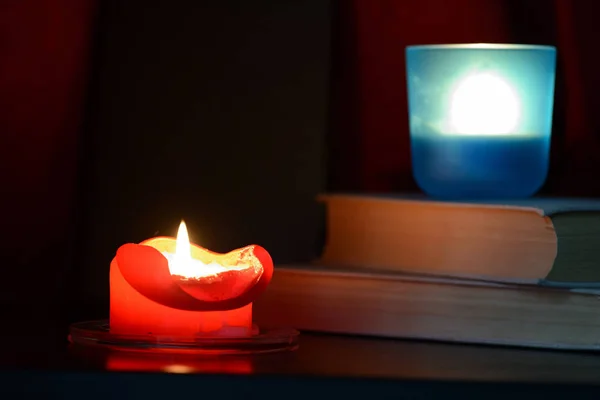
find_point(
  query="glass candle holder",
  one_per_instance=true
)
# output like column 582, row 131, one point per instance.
column 480, row 118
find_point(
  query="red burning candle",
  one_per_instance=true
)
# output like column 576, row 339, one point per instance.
column 167, row 286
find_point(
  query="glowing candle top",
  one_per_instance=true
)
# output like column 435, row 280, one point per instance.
column 481, row 89
column 180, row 275
column 182, row 264
column 480, row 118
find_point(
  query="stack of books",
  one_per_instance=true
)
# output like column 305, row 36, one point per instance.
column 521, row 273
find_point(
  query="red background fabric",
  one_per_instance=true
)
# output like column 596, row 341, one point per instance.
column 44, row 53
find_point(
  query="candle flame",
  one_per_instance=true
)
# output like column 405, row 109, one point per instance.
column 182, row 262
column 484, row 104
column 183, row 252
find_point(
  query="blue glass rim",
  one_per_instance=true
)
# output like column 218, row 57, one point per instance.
column 481, row 46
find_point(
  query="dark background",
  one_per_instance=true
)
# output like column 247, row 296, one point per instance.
column 214, row 112
column 119, row 118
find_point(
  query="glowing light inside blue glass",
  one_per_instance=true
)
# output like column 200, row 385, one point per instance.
column 480, row 118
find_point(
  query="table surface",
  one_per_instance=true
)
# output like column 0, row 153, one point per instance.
column 351, row 364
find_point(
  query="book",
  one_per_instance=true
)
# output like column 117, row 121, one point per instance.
column 431, row 308
column 544, row 241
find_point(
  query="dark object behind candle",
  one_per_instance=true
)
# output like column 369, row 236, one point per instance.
column 214, row 113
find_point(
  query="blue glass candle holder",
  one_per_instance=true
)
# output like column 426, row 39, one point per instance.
column 480, row 118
